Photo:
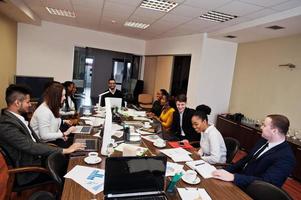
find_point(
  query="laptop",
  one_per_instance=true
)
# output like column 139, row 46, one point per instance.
column 92, row 144
column 135, row 177
column 83, row 129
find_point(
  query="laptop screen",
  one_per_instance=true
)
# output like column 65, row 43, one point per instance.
column 134, row 174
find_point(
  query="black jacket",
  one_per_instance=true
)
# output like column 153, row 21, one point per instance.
column 16, row 141
column 190, row 133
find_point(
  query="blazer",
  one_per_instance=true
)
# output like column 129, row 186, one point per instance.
column 190, row 133
column 274, row 166
column 16, row 141
column 117, row 94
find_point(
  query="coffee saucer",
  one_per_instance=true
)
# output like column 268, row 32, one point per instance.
column 92, row 160
column 197, row 180
column 162, row 145
column 149, row 126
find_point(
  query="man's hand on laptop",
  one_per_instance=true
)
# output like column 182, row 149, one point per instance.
column 74, row 147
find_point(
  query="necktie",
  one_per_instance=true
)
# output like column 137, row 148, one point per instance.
column 255, row 156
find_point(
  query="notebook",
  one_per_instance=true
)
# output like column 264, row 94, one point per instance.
column 92, row 144
column 133, row 177
column 83, row 129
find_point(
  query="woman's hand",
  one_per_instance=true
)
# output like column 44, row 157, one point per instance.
column 70, row 130
column 74, row 147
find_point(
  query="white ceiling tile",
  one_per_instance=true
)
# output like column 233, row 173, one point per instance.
column 33, row 3
column 119, row 7
column 261, row 13
column 206, row 4
column 238, row 8
column 87, row 3
column 187, row 11
column 160, row 26
column 175, row 19
column 287, row 5
column 265, row 3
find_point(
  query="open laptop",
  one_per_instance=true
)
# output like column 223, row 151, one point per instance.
column 92, row 144
column 135, row 177
column 83, row 129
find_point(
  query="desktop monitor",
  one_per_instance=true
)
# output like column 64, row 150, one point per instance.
column 114, row 102
column 107, row 132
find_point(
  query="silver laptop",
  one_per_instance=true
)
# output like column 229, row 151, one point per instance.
column 83, row 129
column 92, row 144
column 135, row 177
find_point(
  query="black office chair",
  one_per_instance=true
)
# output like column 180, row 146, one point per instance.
column 260, row 190
column 232, row 146
column 57, row 166
column 42, row 195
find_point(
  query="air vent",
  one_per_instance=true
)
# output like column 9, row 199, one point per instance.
column 230, row 36
column 275, row 27
column 217, row 16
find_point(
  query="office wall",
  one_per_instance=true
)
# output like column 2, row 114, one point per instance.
column 8, row 54
column 48, row 50
column 211, row 70
column 150, row 69
column 261, row 87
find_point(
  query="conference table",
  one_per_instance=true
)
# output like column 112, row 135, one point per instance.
column 216, row 189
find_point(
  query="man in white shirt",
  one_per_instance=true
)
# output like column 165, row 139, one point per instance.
column 18, row 140
column 271, row 160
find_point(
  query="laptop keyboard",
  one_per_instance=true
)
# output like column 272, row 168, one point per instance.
column 90, row 144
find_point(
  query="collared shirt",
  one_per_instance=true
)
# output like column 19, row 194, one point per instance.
column 270, row 146
column 181, row 123
column 21, row 118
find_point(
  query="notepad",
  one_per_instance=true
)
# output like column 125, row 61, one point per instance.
column 202, row 167
column 176, row 144
column 193, row 194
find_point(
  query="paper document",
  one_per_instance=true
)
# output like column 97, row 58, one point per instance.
column 173, row 168
column 139, row 150
column 142, row 119
column 144, row 132
column 177, row 154
column 193, row 194
column 202, row 167
column 151, row 138
column 118, row 134
column 90, row 178
column 116, row 127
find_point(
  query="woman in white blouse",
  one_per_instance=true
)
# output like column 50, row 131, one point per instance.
column 212, row 146
column 46, row 119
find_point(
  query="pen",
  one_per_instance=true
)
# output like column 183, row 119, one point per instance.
column 199, row 164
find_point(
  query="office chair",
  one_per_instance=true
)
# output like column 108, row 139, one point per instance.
column 57, row 166
column 260, row 190
column 232, row 146
column 145, row 101
column 12, row 172
column 42, row 195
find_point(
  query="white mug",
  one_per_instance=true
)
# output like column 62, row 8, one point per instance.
column 190, row 175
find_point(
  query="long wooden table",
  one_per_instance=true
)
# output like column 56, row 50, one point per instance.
column 216, row 189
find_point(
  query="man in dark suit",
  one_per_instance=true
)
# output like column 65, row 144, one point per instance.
column 111, row 92
column 271, row 160
column 181, row 124
column 18, row 140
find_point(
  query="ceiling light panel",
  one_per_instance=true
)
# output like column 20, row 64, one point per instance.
column 159, row 5
column 217, row 16
column 136, row 25
column 59, row 12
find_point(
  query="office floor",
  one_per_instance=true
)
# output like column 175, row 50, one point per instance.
column 291, row 186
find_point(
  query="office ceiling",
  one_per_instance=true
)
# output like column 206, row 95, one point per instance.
column 110, row 16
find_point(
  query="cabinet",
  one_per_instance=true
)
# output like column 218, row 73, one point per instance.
column 248, row 135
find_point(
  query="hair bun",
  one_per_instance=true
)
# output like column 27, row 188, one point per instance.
column 203, row 108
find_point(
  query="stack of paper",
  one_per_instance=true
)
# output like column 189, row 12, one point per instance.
column 90, row 178
column 173, row 168
column 177, row 154
column 193, row 194
column 202, row 167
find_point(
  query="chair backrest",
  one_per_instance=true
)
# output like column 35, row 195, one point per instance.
column 4, row 177
column 260, row 190
column 57, row 166
column 145, row 99
column 232, row 146
column 42, row 195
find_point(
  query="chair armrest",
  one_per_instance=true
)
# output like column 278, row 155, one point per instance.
column 28, row 169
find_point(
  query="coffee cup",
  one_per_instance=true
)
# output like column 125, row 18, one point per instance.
column 190, row 175
column 93, row 154
column 147, row 124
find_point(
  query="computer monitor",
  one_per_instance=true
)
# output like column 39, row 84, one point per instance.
column 107, row 132
column 114, row 102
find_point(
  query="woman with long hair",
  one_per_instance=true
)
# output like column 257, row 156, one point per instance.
column 46, row 119
column 166, row 116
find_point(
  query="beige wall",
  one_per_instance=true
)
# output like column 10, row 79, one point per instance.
column 157, row 73
column 261, row 87
column 8, row 54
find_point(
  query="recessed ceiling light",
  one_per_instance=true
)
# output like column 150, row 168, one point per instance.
column 136, row 25
column 160, row 5
column 59, row 12
column 275, row 27
column 230, row 36
column 217, row 16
